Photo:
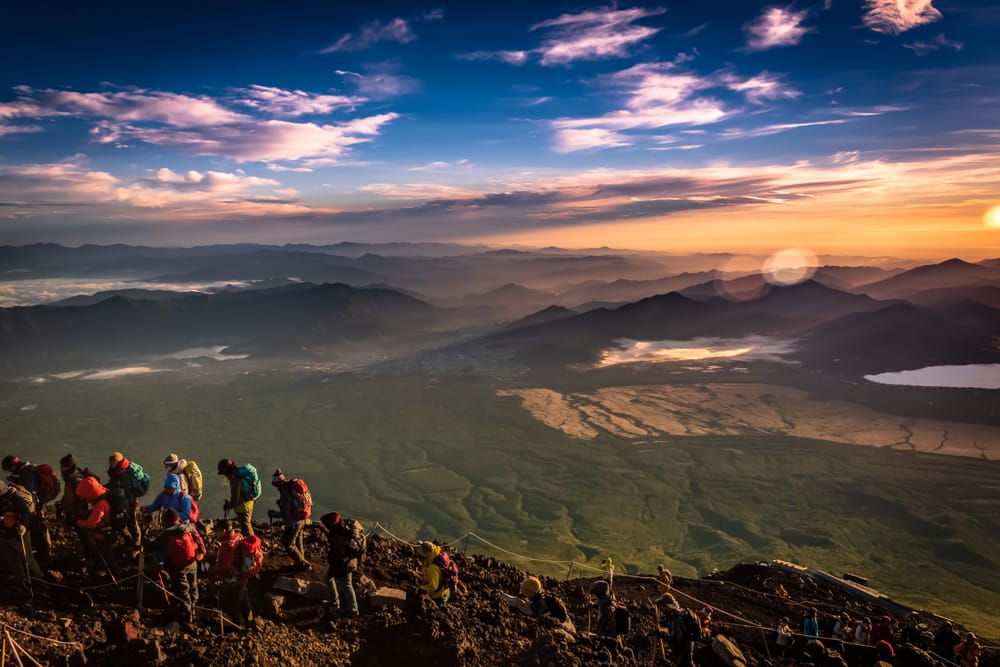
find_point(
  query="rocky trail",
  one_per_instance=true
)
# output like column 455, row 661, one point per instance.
column 87, row 620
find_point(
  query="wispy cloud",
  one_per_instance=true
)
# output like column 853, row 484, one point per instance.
column 395, row 30
column 595, row 34
column 776, row 26
column 656, row 95
column 292, row 103
column 922, row 48
column 764, row 86
column 203, row 126
column 893, row 17
column 767, row 130
column 19, row 129
column 440, row 164
column 380, row 82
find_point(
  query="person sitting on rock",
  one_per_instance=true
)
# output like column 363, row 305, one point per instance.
column 343, row 559
column 173, row 498
column 842, row 627
column 16, row 556
column 910, row 634
column 968, row 651
column 532, row 601
column 178, row 549
column 863, row 632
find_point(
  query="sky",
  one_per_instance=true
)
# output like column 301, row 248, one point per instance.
column 838, row 126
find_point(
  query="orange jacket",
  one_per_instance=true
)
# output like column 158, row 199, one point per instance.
column 91, row 490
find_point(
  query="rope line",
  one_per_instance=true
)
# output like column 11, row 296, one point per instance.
column 46, row 639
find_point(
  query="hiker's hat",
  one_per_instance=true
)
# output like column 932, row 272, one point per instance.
column 278, row 478
column 171, row 459
column 225, row 465
column 9, row 462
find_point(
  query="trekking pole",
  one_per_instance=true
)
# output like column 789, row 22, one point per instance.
column 163, row 587
column 27, row 570
column 105, row 561
column 141, row 579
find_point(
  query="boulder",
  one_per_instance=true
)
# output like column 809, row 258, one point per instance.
column 313, row 590
column 388, row 597
column 728, row 651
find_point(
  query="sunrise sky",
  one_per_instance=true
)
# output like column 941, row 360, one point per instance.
column 848, row 126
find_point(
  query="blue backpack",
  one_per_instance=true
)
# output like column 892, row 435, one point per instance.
column 250, row 481
column 138, row 479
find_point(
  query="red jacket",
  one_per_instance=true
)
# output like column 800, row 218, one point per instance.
column 90, row 490
column 229, row 559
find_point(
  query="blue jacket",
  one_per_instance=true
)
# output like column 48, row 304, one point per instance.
column 810, row 628
column 176, row 500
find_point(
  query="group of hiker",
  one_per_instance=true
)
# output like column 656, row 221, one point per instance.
column 111, row 523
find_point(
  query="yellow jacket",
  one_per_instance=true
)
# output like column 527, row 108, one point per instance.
column 432, row 575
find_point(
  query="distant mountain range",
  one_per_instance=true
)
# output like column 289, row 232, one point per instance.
column 545, row 308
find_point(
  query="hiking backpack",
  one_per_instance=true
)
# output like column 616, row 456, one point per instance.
column 301, row 500
column 182, row 549
column 557, row 608
column 449, row 571
column 195, row 512
column 252, row 557
column 48, row 483
column 250, row 481
column 27, row 496
column 118, row 513
column 623, row 621
column 192, row 474
column 138, row 480
column 691, row 625
column 357, row 541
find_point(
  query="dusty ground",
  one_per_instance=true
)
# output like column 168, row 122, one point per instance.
column 77, row 624
column 641, row 412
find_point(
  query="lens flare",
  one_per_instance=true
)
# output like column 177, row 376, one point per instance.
column 790, row 266
column 992, row 217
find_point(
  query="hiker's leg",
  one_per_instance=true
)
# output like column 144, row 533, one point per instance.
column 334, row 593
column 231, row 602
column 11, row 560
column 295, row 542
column 33, row 566
column 245, row 607
column 107, row 556
column 347, row 590
column 245, row 525
column 185, row 590
column 91, row 559
column 40, row 537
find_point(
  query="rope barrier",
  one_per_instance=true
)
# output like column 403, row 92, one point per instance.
column 33, row 636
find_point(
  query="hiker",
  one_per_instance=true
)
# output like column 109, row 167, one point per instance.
column 439, row 572
column 608, row 566
column 783, row 638
column 945, row 640
column 295, row 504
column 70, row 507
column 606, row 624
column 842, row 628
column 683, row 630
column 705, row 618
column 178, row 549
column 96, row 528
column 244, row 489
column 229, row 569
column 910, row 634
column 863, row 632
column 187, row 471
column 885, row 653
column 533, row 602
column 810, row 626
column 133, row 481
column 347, row 547
column 173, row 497
column 968, row 651
column 15, row 539
column 664, row 580
column 43, row 484
column 882, row 631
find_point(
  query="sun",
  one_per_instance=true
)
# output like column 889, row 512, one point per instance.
column 992, row 217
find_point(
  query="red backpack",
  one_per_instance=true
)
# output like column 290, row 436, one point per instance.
column 195, row 512
column 252, row 557
column 48, row 483
column 302, row 501
column 182, row 550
